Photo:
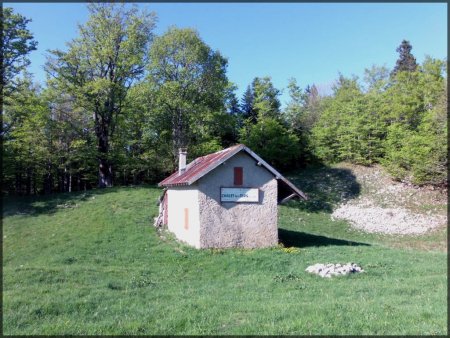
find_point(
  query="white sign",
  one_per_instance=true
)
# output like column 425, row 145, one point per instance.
column 239, row 195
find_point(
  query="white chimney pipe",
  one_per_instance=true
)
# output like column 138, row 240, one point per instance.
column 182, row 160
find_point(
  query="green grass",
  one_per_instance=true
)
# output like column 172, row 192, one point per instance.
column 91, row 263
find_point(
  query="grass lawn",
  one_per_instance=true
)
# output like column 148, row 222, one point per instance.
column 91, row 263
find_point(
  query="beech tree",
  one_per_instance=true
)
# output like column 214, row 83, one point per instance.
column 272, row 141
column 100, row 66
column 16, row 43
column 189, row 82
column 25, row 145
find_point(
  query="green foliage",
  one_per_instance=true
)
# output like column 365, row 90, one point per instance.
column 420, row 156
column 188, row 81
column 119, row 103
column 393, row 122
column 406, row 61
column 342, row 132
column 272, row 141
column 247, row 108
column 16, row 43
column 376, row 78
column 404, row 100
column 265, row 98
column 301, row 114
column 25, row 139
column 99, row 67
column 416, row 143
column 295, row 109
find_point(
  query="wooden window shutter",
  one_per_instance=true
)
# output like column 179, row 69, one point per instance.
column 186, row 218
column 238, row 176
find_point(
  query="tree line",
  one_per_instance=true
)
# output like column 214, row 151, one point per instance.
column 120, row 101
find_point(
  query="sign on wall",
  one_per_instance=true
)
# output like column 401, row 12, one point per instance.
column 239, row 194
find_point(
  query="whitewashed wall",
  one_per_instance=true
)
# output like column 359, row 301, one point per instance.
column 180, row 198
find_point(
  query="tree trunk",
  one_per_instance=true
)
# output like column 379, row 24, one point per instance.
column 104, row 174
column 104, row 166
column 18, row 182
column 65, row 180
column 60, row 179
column 34, row 183
column 28, row 182
column 48, row 179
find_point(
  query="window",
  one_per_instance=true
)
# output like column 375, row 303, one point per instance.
column 186, row 218
column 238, row 175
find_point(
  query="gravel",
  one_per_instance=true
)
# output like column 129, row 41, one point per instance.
column 388, row 207
column 365, row 215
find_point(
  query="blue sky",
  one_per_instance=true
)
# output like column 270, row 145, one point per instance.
column 309, row 41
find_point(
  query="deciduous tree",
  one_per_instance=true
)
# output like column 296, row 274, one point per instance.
column 189, row 82
column 16, row 43
column 272, row 141
column 100, row 66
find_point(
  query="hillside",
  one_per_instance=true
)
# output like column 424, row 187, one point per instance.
column 376, row 206
column 91, row 263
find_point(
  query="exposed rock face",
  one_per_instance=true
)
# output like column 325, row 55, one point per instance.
column 329, row 270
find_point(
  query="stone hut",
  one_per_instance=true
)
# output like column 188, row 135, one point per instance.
column 225, row 199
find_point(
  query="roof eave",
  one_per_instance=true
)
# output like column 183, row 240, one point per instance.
column 238, row 148
column 277, row 175
column 215, row 165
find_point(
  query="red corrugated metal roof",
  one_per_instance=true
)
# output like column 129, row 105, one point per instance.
column 200, row 166
column 203, row 165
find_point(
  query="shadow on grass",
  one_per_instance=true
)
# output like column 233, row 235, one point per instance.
column 325, row 188
column 302, row 240
column 49, row 204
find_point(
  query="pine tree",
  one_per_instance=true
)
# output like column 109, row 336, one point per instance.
column 247, row 104
column 406, row 61
column 233, row 105
column 266, row 102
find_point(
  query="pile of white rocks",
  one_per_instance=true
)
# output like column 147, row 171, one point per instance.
column 329, row 270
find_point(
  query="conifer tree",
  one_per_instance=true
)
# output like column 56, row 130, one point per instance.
column 406, row 61
column 247, row 108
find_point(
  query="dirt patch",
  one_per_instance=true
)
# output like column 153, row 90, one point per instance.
column 390, row 207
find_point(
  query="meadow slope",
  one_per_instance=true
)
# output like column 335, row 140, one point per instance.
column 91, row 263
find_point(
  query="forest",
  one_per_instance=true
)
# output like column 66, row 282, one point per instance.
column 120, row 101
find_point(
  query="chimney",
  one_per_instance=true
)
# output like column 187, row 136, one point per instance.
column 182, row 160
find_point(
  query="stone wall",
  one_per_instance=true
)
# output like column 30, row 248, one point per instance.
column 230, row 224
